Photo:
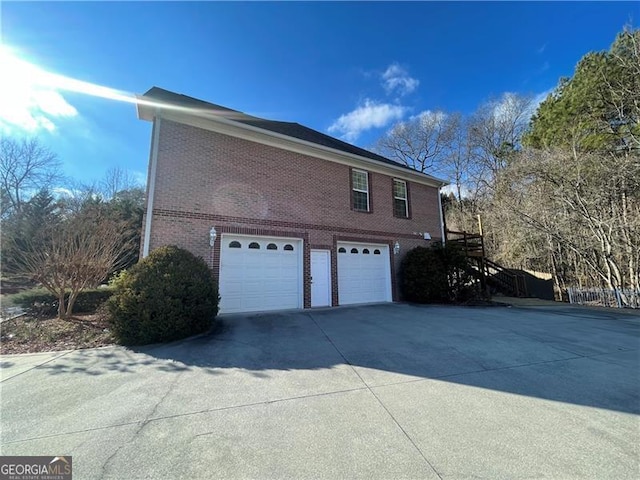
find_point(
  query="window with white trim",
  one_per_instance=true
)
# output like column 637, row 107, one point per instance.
column 360, row 190
column 400, row 199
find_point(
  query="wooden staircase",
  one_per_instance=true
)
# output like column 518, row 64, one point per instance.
column 492, row 275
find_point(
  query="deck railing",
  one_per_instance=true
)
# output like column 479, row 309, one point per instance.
column 505, row 279
column 471, row 243
column 502, row 279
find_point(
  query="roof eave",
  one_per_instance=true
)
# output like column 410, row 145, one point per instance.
column 148, row 109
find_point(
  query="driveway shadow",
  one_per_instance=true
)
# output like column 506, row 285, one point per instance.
column 582, row 358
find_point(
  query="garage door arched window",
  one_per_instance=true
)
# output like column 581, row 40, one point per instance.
column 288, row 247
column 342, row 250
column 363, row 276
column 255, row 274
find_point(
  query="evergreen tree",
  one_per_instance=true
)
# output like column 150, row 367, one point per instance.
column 598, row 108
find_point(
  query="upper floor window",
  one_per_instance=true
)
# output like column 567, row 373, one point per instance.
column 400, row 199
column 360, row 190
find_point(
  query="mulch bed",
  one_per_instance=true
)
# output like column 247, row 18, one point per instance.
column 28, row 334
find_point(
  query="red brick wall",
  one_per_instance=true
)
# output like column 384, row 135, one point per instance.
column 207, row 179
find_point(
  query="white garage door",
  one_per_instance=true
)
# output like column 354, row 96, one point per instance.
column 364, row 273
column 260, row 273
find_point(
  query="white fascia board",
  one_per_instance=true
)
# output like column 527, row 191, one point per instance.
column 442, row 232
column 151, row 185
column 225, row 126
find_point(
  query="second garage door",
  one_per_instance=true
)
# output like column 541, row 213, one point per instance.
column 364, row 273
column 260, row 273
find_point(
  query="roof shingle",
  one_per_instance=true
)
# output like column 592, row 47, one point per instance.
column 290, row 129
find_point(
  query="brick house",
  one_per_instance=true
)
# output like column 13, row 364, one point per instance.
column 286, row 216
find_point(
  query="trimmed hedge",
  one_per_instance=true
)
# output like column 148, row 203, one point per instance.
column 169, row 295
column 438, row 274
column 39, row 302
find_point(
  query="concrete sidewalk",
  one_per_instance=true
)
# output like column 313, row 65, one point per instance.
column 389, row 391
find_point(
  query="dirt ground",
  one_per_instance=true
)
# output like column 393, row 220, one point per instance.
column 26, row 334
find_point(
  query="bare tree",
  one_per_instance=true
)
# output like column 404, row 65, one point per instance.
column 571, row 205
column 115, row 181
column 496, row 130
column 584, row 209
column 422, row 142
column 457, row 165
column 76, row 255
column 75, row 195
column 26, row 167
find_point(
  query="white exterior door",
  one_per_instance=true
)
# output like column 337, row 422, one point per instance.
column 260, row 273
column 320, row 278
column 364, row 273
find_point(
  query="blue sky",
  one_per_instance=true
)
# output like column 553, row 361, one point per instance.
column 348, row 69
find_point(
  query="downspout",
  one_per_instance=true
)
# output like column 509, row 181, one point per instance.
column 153, row 163
column 441, row 215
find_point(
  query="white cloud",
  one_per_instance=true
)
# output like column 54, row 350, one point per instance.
column 503, row 107
column 428, row 117
column 512, row 107
column 465, row 191
column 140, row 178
column 27, row 101
column 539, row 98
column 370, row 114
column 64, row 192
column 397, row 79
column 510, row 104
column 427, row 121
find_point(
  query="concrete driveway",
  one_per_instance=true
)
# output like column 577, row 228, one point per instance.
column 388, row 391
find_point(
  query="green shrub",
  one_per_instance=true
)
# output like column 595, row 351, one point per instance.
column 438, row 274
column 171, row 294
column 39, row 302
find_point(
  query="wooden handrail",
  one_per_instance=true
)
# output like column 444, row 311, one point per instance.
column 473, row 246
column 512, row 281
column 461, row 234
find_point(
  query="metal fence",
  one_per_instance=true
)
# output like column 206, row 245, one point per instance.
column 620, row 298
